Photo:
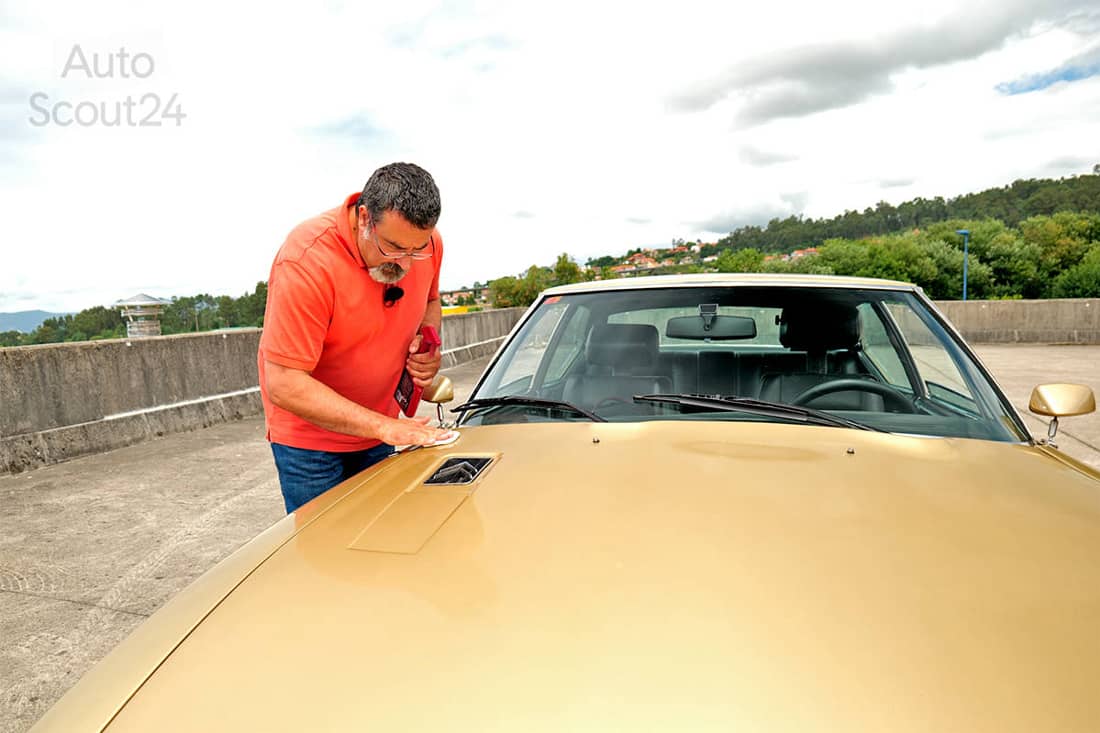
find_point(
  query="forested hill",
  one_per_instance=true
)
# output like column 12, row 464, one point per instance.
column 25, row 321
column 1010, row 204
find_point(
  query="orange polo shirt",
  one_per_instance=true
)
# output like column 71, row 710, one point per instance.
column 325, row 315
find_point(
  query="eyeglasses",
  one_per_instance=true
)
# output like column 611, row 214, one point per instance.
column 421, row 253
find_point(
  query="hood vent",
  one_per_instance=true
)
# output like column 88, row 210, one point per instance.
column 458, row 471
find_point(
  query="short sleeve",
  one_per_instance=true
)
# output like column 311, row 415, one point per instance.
column 299, row 309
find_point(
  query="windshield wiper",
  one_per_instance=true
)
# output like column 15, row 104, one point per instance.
column 756, row 407
column 523, row 401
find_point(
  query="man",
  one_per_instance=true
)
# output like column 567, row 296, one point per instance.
column 339, row 330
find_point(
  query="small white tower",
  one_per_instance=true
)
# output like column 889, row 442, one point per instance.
column 142, row 314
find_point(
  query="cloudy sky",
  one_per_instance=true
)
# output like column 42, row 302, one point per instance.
column 580, row 127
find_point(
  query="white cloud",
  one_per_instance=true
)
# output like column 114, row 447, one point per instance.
column 548, row 129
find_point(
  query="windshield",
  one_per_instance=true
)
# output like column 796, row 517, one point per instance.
column 877, row 358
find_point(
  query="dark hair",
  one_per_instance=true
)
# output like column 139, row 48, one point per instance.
column 405, row 188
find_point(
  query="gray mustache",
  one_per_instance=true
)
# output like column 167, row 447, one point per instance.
column 388, row 272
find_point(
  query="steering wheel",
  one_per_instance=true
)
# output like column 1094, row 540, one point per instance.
column 890, row 396
column 609, row 401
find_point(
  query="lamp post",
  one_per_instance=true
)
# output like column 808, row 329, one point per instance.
column 966, row 255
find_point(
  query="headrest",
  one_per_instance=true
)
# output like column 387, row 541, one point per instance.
column 819, row 326
column 622, row 346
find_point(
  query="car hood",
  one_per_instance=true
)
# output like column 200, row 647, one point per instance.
column 675, row 575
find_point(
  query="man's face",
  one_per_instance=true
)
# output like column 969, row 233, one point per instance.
column 390, row 244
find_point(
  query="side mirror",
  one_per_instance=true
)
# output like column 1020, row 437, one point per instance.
column 1061, row 400
column 439, row 391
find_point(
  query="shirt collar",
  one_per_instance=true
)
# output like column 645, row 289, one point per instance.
column 343, row 228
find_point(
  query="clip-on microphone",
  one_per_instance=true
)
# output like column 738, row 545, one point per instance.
column 391, row 295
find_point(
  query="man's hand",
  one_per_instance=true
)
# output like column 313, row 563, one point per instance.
column 297, row 391
column 422, row 367
column 410, row 432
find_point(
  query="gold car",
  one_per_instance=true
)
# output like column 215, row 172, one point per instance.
column 696, row 503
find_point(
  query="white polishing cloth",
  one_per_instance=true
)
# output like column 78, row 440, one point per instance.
column 448, row 438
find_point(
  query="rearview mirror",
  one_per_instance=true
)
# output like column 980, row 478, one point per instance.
column 715, row 328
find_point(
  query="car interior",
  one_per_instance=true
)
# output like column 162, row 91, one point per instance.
column 865, row 356
column 821, row 345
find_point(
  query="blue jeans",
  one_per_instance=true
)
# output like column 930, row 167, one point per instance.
column 306, row 474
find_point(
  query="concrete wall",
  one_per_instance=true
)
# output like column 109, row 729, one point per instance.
column 469, row 336
column 66, row 384
column 60, row 401
column 1056, row 321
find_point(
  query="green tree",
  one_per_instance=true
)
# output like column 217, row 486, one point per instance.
column 1015, row 266
column 945, row 280
column 251, row 306
column 534, row 282
column 504, row 292
column 677, row 270
column 178, row 316
column 600, row 262
column 743, row 260
column 1082, row 280
column 1063, row 239
column 11, row 338
column 189, row 314
column 226, row 315
column 98, row 323
column 845, row 257
column 776, row 265
column 567, row 271
column 50, row 331
column 809, row 265
column 900, row 257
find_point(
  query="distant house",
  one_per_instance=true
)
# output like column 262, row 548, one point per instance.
column 451, row 297
column 798, row 253
column 642, row 261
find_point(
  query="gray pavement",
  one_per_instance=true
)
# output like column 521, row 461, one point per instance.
column 90, row 548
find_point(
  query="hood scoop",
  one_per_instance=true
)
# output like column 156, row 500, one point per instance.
column 458, row 471
column 417, row 513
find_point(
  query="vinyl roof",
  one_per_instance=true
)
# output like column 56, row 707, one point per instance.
column 731, row 278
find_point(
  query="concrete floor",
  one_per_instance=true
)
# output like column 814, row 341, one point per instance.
column 90, row 548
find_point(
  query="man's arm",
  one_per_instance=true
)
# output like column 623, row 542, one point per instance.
column 298, row 392
column 433, row 313
column 423, row 367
